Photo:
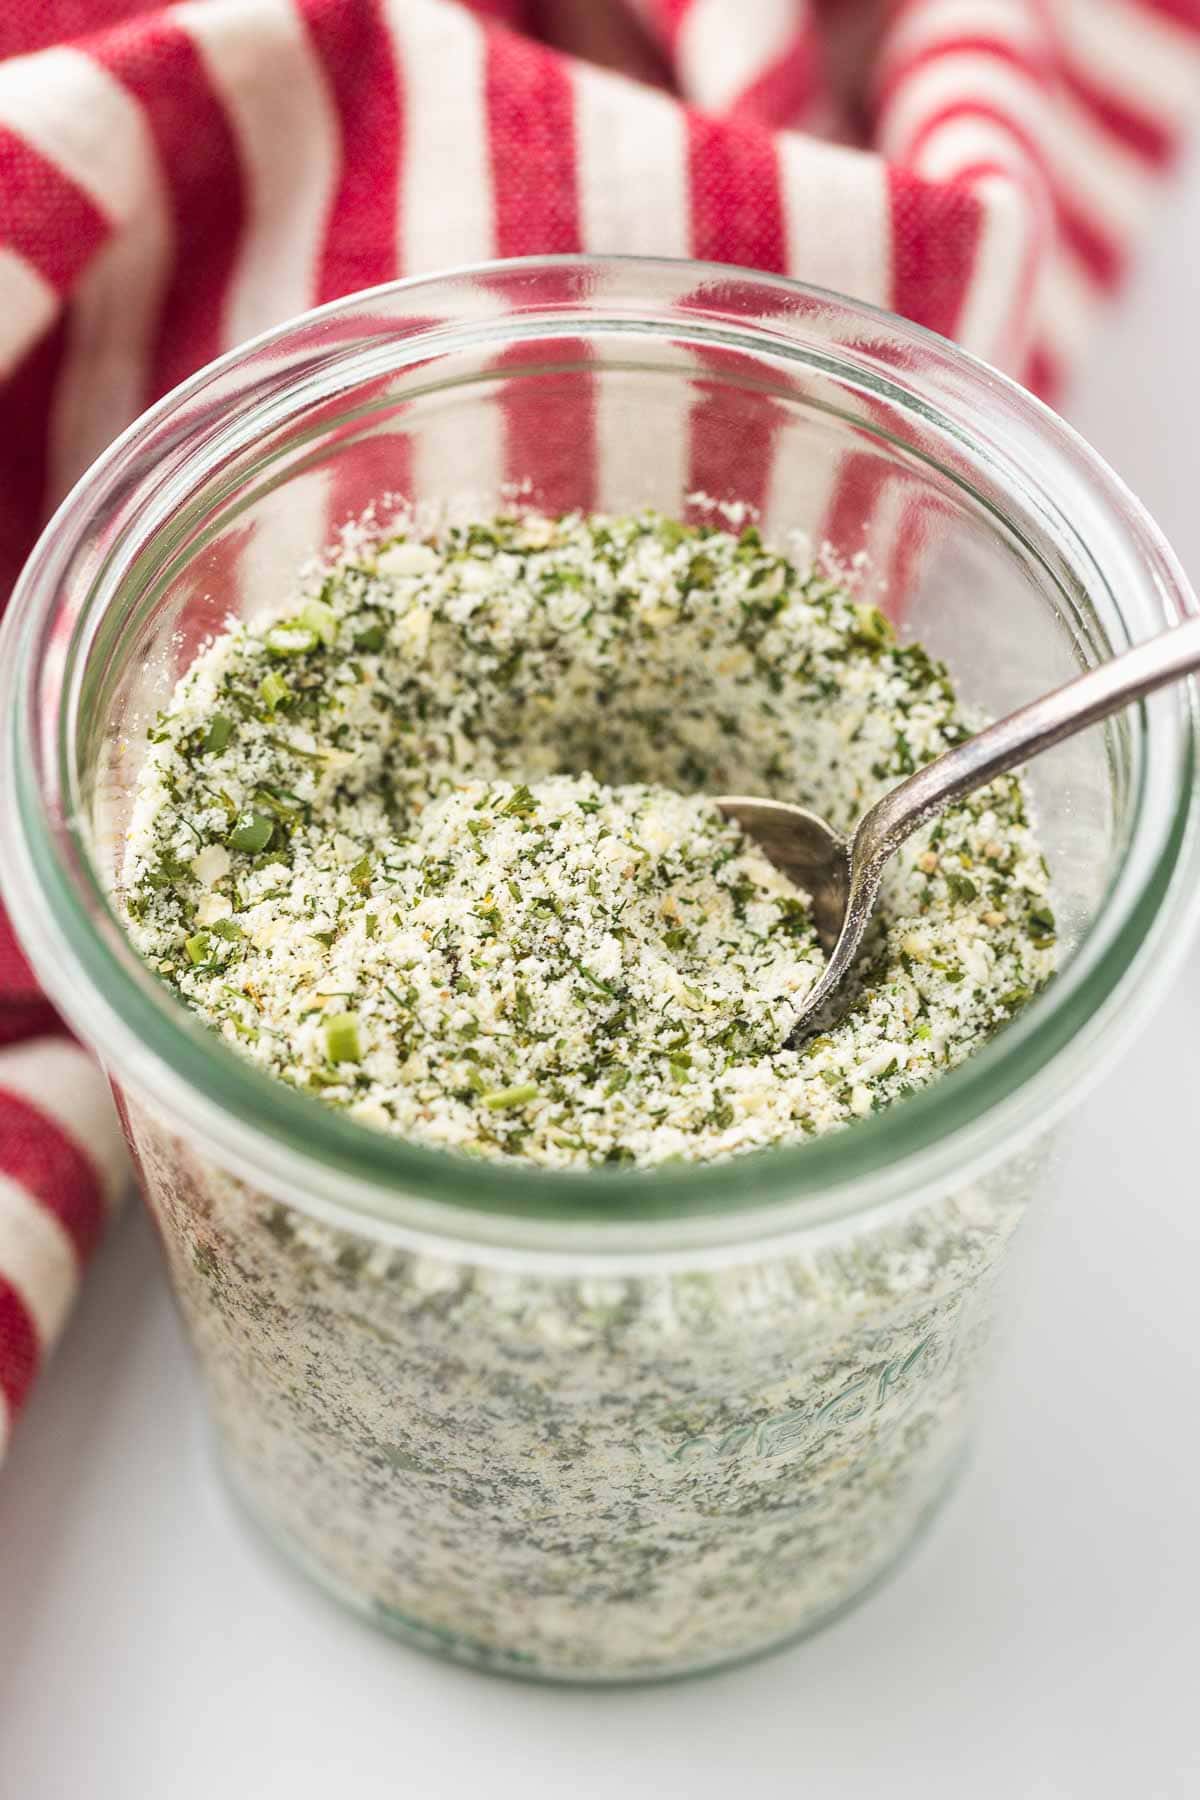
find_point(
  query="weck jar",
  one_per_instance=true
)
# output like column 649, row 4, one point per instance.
column 607, row 1424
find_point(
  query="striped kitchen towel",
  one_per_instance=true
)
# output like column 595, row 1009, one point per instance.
column 175, row 178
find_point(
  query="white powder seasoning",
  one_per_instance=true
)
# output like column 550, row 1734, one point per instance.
column 432, row 845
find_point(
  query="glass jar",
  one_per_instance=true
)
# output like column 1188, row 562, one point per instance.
column 607, row 1424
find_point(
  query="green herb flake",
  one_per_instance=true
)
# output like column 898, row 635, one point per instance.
column 274, row 690
column 252, row 832
column 220, row 730
column 341, row 1038
column 505, row 1099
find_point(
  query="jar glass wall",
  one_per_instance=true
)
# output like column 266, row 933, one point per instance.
column 604, row 1424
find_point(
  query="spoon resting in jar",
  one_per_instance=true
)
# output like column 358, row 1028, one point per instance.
column 842, row 875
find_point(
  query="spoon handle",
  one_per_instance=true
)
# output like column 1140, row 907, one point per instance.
column 1084, row 701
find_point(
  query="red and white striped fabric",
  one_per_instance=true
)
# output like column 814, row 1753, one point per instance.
column 174, row 178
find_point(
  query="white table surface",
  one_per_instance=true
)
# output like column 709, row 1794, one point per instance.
column 1043, row 1643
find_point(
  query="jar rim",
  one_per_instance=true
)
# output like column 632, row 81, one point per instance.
column 323, row 1162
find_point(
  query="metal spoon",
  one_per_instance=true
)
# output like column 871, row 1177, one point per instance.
column 842, row 875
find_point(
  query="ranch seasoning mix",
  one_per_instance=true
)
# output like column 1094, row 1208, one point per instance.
column 433, row 845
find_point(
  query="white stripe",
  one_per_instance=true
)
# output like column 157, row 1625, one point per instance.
column 1138, row 56
column 724, row 46
column 799, row 491
column 643, row 440
column 60, row 101
column 262, row 66
column 989, row 323
column 458, row 457
column 894, row 510
column 446, row 213
column 836, row 217
column 959, row 144
column 924, row 27
column 1067, row 309
column 62, row 1081
column 114, row 310
column 27, row 305
column 38, row 1258
column 631, row 160
column 287, row 528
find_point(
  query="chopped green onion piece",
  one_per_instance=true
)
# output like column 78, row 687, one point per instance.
column 501, row 1099
column 290, row 638
column 252, row 832
column 198, row 947
column 520, row 803
column 871, row 626
column 274, row 689
column 320, row 618
column 219, row 732
column 341, row 1038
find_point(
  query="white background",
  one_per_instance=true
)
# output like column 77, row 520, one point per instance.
column 1043, row 1643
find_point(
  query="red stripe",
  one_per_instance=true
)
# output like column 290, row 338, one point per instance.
column 786, row 89
column 24, row 409
column 372, row 468
column 733, row 430
column 1042, row 373
column 861, row 479
column 366, row 468
column 19, row 1349
column 33, row 27
column 935, row 240
column 23, row 1019
column 37, row 1154
column 736, row 217
column 514, row 13
column 732, row 443
column 991, row 168
column 736, row 205
column 16, row 977
column 362, row 235
column 911, row 542
column 1101, row 257
column 531, row 133
column 550, row 429
column 549, row 424
column 1145, row 137
column 161, row 67
column 207, row 592
column 1179, row 12
column 44, row 216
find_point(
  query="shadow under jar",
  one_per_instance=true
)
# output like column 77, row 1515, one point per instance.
column 609, row 1424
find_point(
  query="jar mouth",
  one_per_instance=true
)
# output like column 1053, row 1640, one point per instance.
column 322, row 1161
